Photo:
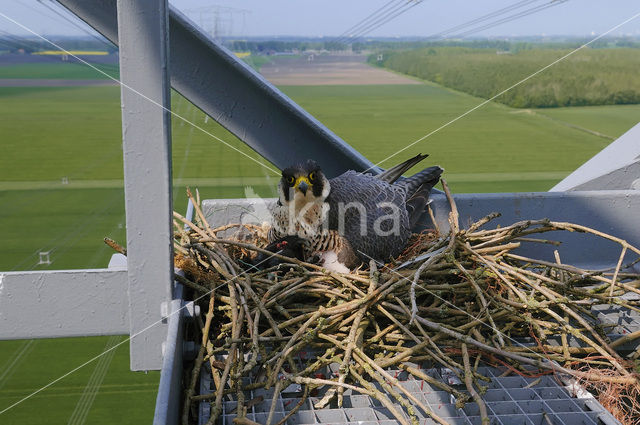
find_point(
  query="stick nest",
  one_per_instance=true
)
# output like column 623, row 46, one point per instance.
column 467, row 300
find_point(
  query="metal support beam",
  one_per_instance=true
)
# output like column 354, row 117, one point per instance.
column 616, row 167
column 63, row 303
column 236, row 96
column 170, row 389
column 610, row 211
column 614, row 212
column 146, row 130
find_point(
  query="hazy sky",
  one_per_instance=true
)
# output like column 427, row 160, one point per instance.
column 334, row 17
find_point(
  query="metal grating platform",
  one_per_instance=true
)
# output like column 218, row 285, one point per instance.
column 616, row 322
column 510, row 400
column 626, row 321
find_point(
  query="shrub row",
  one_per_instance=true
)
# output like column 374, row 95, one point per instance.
column 586, row 77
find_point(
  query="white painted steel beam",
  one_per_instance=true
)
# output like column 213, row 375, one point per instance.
column 614, row 212
column 168, row 400
column 63, row 303
column 616, row 167
column 146, row 131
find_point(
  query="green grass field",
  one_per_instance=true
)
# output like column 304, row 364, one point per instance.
column 256, row 62
column 27, row 365
column 610, row 120
column 58, row 70
column 52, row 133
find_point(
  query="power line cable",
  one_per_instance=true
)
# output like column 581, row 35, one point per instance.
column 371, row 26
column 513, row 17
column 486, row 101
column 13, row 41
column 125, row 86
column 366, row 20
column 23, row 43
column 75, row 23
column 416, row 3
column 41, row 12
column 377, row 21
column 389, row 16
column 9, row 44
column 16, row 42
column 470, row 27
column 223, row 283
column 485, row 17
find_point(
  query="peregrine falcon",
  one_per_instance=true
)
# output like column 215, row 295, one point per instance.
column 354, row 217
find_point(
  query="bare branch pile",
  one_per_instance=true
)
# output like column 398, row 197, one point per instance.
column 466, row 299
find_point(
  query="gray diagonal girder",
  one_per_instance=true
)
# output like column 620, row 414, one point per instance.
column 236, row 96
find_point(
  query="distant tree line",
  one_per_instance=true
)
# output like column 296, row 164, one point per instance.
column 587, row 77
column 512, row 45
column 15, row 44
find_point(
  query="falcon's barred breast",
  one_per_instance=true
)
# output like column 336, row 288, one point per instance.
column 354, row 217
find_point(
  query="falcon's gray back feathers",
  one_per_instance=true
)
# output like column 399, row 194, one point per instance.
column 368, row 216
column 370, row 192
column 406, row 198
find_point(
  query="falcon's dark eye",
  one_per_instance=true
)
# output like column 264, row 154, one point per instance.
column 312, row 176
column 290, row 180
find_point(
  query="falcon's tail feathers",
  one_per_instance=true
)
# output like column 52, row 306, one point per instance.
column 394, row 173
column 428, row 177
column 418, row 188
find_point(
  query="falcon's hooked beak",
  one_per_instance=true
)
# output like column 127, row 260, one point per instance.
column 302, row 184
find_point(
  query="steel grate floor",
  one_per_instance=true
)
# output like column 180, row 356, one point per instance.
column 510, row 400
column 626, row 321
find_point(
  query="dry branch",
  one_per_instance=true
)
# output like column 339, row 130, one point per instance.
column 473, row 298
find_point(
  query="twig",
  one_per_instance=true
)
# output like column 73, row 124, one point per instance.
column 116, row 246
column 468, row 380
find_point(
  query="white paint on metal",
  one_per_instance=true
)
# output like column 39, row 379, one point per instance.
column 168, row 398
column 616, row 167
column 117, row 261
column 63, row 303
column 613, row 212
column 146, row 128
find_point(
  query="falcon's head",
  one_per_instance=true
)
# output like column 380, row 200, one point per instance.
column 303, row 183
